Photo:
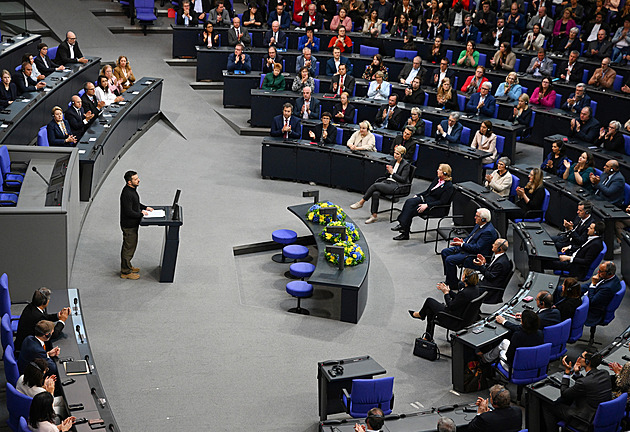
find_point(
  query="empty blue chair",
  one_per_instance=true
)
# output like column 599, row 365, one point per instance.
column 405, row 54
column 447, row 33
column 295, row 252
column 146, row 13
column 428, row 127
column 465, row 137
column 11, row 180
column 316, row 81
column 617, row 83
column 626, row 194
column 415, row 154
column 339, row 136
column 515, row 182
column 302, row 270
column 379, row 142
column 367, row 394
column 426, row 99
column 414, row 30
column 6, row 333
column 626, row 143
column 262, row 78
column 368, row 50
column 558, row 100
column 10, row 366
column 500, row 146
column 52, row 52
column 579, row 318
column 524, row 89
column 610, row 311
column 496, row 111
column 42, row 137
column 482, row 58
column 299, row 289
column 607, row 417
column 553, row 73
column 449, row 54
column 461, row 101
column 558, row 335
column 5, row 301
column 384, row 28
column 529, row 366
column 317, row 69
column 356, row 112
column 593, row 106
column 23, row 425
column 478, row 40
column 517, row 65
column 585, row 75
column 19, row 405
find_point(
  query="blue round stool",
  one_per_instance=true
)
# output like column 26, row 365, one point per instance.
column 300, row 270
column 300, row 290
column 285, row 237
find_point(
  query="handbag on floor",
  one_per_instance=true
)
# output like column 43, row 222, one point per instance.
column 426, row 348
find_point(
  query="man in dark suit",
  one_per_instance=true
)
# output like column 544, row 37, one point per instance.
column 467, row 32
column 411, row 71
column 462, row 251
column 586, row 127
column 272, row 58
column 390, row 116
column 577, row 260
column 313, row 18
column 44, row 64
column 342, row 81
column 611, row 184
column 275, row 37
column 600, row 48
column 307, row 107
column 482, row 102
column 89, row 101
column 575, row 233
column 186, row 16
column 77, row 117
column 414, row 95
column 69, row 52
column 280, row 15
column 579, row 402
column 578, row 100
column 495, row 273
column 34, row 347
column 407, row 141
column 58, row 130
column 571, row 71
column 239, row 60
column 24, row 82
column 286, row 125
column 547, row 315
column 442, row 72
column 603, row 287
column 450, row 130
column 485, row 19
column 439, row 193
column 34, row 312
column 238, row 33
column 332, row 65
column 497, row 35
column 503, row 418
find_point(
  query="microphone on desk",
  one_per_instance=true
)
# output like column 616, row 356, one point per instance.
column 87, row 360
column 78, row 329
column 41, row 176
column 111, row 427
column 101, row 401
column 76, row 307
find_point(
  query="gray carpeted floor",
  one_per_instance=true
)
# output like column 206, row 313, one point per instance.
column 216, row 349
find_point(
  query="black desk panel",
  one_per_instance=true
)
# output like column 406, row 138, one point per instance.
column 11, row 52
column 529, row 248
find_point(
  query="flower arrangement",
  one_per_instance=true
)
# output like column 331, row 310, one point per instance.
column 353, row 254
column 313, row 213
column 351, row 232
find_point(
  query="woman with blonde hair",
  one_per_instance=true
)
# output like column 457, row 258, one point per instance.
column 363, row 139
column 532, row 196
column 447, row 96
column 123, row 73
column 510, row 89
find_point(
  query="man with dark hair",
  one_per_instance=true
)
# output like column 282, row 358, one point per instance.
column 390, row 116
column 414, row 95
column 577, row 260
column 547, row 315
column 44, row 64
column 406, row 140
column 36, row 311
column 69, row 52
column 23, row 80
column 580, row 401
column 131, row 212
column 219, row 16
column 575, row 233
column 603, row 287
column 503, row 418
column 286, row 125
column 373, row 422
column 342, row 81
column 34, row 347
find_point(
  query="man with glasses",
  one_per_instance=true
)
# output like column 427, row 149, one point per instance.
column 410, row 71
column 482, row 102
column 611, row 183
column 69, row 52
column 442, row 72
column 577, row 100
column 586, row 127
column 89, row 101
column 603, row 77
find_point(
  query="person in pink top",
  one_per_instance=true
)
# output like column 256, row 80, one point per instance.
column 341, row 20
column 544, row 95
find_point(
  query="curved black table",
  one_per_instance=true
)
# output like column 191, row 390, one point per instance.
column 11, row 52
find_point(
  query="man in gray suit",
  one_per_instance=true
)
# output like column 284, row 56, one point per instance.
column 540, row 66
column 545, row 22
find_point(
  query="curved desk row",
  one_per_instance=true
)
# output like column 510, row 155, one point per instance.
column 106, row 139
column 532, row 247
column 11, row 50
column 351, row 281
column 32, row 110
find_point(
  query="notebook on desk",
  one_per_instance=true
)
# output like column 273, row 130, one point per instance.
column 76, row 367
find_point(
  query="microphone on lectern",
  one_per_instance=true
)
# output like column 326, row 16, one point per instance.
column 41, row 176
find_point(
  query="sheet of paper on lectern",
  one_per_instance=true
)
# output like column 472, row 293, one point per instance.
column 156, row 214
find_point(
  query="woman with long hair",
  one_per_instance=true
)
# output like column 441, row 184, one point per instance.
column 579, row 172
column 554, row 162
column 447, row 96
column 123, row 73
column 531, row 197
column 544, row 94
column 41, row 417
column 486, row 140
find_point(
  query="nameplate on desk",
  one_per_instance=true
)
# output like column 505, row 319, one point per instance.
column 147, row 83
column 20, row 37
column 67, row 70
column 4, row 125
column 81, row 151
column 106, row 126
column 23, row 100
column 6, row 44
column 107, row 115
column 92, row 140
column 135, row 92
column 47, row 89
column 121, row 103
column 76, row 367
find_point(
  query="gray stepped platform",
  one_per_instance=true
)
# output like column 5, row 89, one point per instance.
column 237, row 118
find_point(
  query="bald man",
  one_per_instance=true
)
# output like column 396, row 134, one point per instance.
column 79, row 119
column 69, row 52
column 496, row 271
column 611, row 184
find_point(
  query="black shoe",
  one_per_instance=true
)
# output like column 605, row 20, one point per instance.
column 411, row 312
column 402, row 236
column 397, row 228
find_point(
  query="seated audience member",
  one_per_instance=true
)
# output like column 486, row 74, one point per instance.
column 577, row 100
column 496, row 272
column 414, row 95
column 385, row 11
column 603, row 287
column 332, row 65
column 456, row 298
column 621, row 380
column 373, row 422
column 406, row 140
column 240, row 61
column 515, row 22
column 571, row 70
column 603, row 77
column 402, row 27
column 544, row 22
column 554, row 162
column 344, row 111
column 372, row 24
column 541, row 65
column 374, row 67
column 485, row 19
column 328, row 9
column 570, row 300
column 415, row 121
column 299, row 8
column 379, row 89
column 398, row 176
column 286, row 125
column 58, row 130
column 89, row 100
column 522, row 113
column 341, row 20
column 498, row 34
column 438, row 193
column 341, row 41
column 442, row 72
column 36, row 311
column 473, row 82
column 502, row 417
column 611, row 138
column 504, row 59
column 42, row 416
column 187, row 17
column 104, row 93
column 35, row 74
column 363, row 139
column 275, row 37
column 201, row 9
column 526, row 334
column 469, row 57
column 272, row 58
column 500, row 180
column 306, row 60
column 534, row 40
column 68, row 51
column 356, row 11
column 446, row 424
column 579, row 172
column 312, row 19
column 544, row 94
column 595, row 24
column 279, row 14
column 483, row 102
column 23, row 80
column 78, row 119
column 531, row 197
column 8, row 90
column 309, row 40
column 411, row 71
column 342, row 82
column 237, row 34
column 324, row 132
column 547, row 315
column 438, row 51
column 33, row 347
column 577, row 260
column 578, row 402
column 114, row 85
column 510, row 89
column 575, row 233
column 44, row 64
column 610, row 185
column 561, row 29
column 621, row 42
column 390, row 116
column 306, row 106
column 570, row 43
column 585, row 127
column 123, row 73
column 450, row 129
column 600, row 48
column 486, row 140
column 446, row 97
column 467, row 32
column 432, row 11
column 302, row 80
column 253, row 17
column 208, row 37
column 274, row 81
column 34, row 380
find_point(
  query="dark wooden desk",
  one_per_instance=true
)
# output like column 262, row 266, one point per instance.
column 11, row 52
column 529, row 248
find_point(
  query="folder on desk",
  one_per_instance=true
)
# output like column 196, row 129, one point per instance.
column 76, row 367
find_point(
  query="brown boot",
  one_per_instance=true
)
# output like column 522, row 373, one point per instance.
column 135, row 269
column 133, row 276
